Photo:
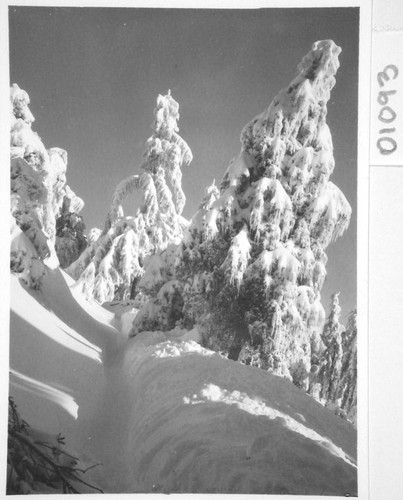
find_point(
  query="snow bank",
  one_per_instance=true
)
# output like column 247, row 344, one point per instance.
column 195, row 422
column 56, row 354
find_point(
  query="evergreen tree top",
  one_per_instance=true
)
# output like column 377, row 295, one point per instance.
column 166, row 116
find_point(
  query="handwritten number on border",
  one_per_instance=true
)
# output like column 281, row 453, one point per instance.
column 386, row 144
column 383, row 75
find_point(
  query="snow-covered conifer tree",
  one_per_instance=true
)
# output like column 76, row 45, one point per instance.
column 70, row 238
column 335, row 382
column 112, row 265
column 38, row 188
column 331, row 362
column 348, row 377
column 251, row 266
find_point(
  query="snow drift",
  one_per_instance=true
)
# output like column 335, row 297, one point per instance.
column 204, row 424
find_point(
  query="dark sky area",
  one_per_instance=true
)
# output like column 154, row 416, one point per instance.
column 93, row 76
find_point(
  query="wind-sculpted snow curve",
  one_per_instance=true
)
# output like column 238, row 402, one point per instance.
column 212, row 392
column 42, row 390
column 195, row 422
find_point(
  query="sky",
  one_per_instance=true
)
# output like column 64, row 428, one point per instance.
column 93, row 76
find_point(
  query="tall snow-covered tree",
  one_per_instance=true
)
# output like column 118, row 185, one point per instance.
column 38, row 188
column 112, row 265
column 251, row 266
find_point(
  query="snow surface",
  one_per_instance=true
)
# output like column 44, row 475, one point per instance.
column 162, row 413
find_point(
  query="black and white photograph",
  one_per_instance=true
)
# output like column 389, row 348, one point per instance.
column 183, row 250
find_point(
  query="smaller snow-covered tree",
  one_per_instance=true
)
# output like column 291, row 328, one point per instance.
column 70, row 238
column 332, row 359
column 348, row 377
column 113, row 264
column 334, row 382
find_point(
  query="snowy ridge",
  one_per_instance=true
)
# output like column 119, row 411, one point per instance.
column 226, row 428
column 214, row 393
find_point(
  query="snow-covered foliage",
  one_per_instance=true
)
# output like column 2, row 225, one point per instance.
column 36, row 466
column 251, row 265
column 25, row 261
column 38, row 191
column 113, row 264
column 70, row 238
column 348, row 377
column 334, row 379
column 331, row 360
column 333, row 374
